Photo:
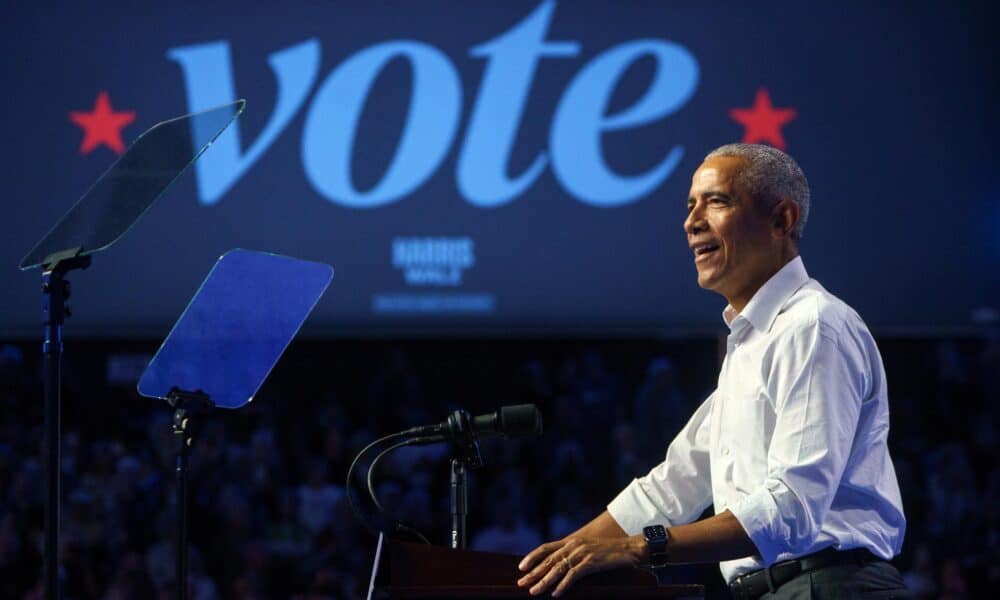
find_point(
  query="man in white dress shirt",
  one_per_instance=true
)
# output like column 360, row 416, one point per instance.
column 791, row 446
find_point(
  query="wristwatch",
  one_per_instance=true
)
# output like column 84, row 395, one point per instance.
column 657, row 540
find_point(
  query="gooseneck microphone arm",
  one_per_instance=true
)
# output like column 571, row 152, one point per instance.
column 376, row 460
column 463, row 432
column 379, row 524
column 374, row 528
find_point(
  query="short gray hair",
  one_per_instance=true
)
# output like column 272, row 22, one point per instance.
column 770, row 176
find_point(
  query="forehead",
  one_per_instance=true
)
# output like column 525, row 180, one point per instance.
column 718, row 173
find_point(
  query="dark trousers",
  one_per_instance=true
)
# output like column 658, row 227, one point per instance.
column 844, row 582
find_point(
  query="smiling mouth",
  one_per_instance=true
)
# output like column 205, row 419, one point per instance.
column 702, row 251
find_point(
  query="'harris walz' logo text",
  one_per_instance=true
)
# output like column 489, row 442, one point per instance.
column 433, row 261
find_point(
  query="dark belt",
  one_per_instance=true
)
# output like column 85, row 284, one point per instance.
column 751, row 586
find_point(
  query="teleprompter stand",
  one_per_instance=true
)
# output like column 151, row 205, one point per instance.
column 55, row 293
column 188, row 406
column 231, row 334
column 101, row 217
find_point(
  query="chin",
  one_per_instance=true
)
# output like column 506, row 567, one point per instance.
column 705, row 280
column 708, row 283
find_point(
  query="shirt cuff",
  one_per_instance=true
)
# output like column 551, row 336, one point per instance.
column 757, row 512
column 632, row 510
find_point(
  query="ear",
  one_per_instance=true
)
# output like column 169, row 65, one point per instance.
column 784, row 218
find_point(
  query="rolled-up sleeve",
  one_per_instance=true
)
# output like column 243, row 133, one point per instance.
column 817, row 387
column 678, row 489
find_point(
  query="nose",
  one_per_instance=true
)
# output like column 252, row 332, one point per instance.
column 695, row 221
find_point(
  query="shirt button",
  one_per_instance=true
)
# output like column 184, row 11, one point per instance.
column 725, row 451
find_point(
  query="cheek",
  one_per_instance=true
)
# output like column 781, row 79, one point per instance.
column 737, row 239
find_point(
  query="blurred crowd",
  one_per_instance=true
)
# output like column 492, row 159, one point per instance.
column 269, row 515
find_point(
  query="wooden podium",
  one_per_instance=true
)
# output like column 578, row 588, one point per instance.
column 406, row 570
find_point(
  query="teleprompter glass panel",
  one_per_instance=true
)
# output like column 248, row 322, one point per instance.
column 232, row 333
column 133, row 183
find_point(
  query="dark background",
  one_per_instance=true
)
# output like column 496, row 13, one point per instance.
column 598, row 317
column 269, row 516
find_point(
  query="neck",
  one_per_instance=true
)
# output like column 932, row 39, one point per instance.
column 740, row 299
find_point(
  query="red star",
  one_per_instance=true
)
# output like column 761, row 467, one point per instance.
column 763, row 122
column 102, row 125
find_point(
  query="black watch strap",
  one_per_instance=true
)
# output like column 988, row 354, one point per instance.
column 656, row 539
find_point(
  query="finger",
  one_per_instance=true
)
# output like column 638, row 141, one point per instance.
column 546, row 566
column 571, row 576
column 536, row 555
column 578, row 560
column 555, row 573
column 578, row 555
column 540, row 578
column 543, row 562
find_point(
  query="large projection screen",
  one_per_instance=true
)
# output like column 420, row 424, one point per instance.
column 508, row 168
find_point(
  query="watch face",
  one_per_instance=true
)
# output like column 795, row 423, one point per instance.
column 655, row 533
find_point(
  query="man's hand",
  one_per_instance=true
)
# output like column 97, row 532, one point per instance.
column 564, row 562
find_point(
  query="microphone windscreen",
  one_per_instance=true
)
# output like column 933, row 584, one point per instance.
column 521, row 420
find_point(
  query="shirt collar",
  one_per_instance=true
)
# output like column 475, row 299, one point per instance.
column 765, row 305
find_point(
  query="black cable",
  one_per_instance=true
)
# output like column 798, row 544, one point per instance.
column 350, row 478
column 371, row 470
column 407, row 529
column 352, row 501
column 400, row 526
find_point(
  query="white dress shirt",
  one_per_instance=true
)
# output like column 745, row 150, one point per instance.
column 793, row 439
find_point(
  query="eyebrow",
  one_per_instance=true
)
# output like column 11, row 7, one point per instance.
column 708, row 193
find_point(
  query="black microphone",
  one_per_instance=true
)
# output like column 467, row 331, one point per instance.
column 521, row 420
